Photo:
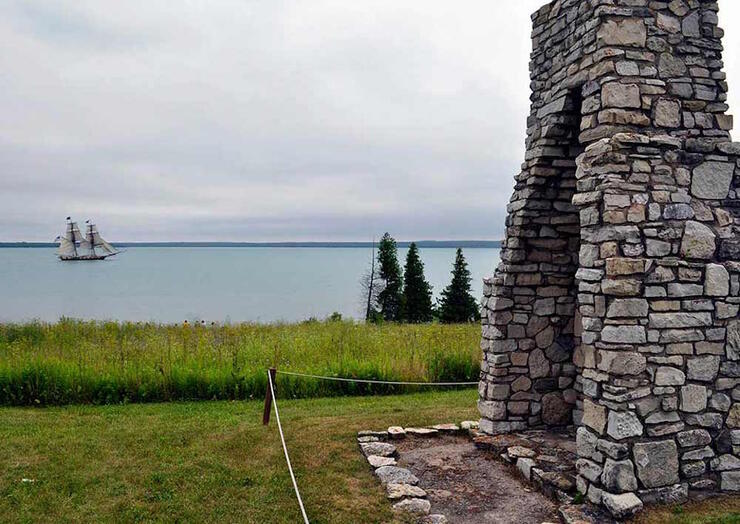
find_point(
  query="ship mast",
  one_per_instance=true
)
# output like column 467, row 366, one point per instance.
column 71, row 231
column 91, row 237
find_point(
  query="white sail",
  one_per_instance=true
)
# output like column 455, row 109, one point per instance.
column 66, row 248
column 94, row 238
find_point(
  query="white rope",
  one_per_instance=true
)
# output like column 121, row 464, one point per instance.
column 285, row 449
column 367, row 381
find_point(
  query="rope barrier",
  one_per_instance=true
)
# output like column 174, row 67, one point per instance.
column 285, row 450
column 368, row 381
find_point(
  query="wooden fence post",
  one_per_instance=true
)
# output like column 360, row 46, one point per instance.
column 268, row 398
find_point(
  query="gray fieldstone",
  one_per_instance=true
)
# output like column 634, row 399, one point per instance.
column 520, row 451
column 698, row 241
column 619, row 476
column 733, row 418
column 421, row 432
column 667, row 113
column 733, row 340
column 380, row 449
column 589, row 469
column 704, row 369
column 539, row 366
column 413, row 506
column 693, row 398
column 398, row 491
column 657, row 463
column 621, row 95
column 622, row 506
column 676, row 494
column 717, row 281
column 377, row 462
column 628, row 307
column 524, row 465
column 396, row 475
column 623, row 32
column 668, row 376
column 623, row 424
column 694, row 437
column 711, row 180
column 730, row 481
column 594, row 416
column 585, row 442
column 621, row 362
column 624, row 334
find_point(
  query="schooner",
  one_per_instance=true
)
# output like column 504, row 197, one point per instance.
column 73, row 246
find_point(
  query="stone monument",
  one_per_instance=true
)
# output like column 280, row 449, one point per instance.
column 615, row 305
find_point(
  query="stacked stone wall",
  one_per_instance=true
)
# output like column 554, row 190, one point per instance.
column 615, row 305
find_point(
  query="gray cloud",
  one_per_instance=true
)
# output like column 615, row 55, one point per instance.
column 280, row 120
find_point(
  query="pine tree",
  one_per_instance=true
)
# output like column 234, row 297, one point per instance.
column 417, row 293
column 389, row 299
column 457, row 304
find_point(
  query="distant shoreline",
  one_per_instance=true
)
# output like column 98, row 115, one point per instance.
column 468, row 244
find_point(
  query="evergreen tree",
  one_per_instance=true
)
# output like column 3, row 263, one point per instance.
column 389, row 299
column 417, row 293
column 457, row 304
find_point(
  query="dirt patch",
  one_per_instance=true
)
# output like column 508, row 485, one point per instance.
column 469, row 485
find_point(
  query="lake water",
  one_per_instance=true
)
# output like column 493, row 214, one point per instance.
column 172, row 284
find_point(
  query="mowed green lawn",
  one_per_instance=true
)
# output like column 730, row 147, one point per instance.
column 214, row 461
column 203, row 461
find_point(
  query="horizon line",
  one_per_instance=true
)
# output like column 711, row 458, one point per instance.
column 470, row 243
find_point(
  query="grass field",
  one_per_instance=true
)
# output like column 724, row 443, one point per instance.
column 215, row 462
column 203, row 461
column 74, row 362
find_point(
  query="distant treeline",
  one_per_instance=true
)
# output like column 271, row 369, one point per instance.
column 420, row 243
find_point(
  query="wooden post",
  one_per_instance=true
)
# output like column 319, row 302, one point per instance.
column 268, row 399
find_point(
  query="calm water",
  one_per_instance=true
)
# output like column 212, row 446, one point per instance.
column 236, row 284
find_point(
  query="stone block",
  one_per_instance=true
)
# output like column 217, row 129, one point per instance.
column 711, row 180
column 667, row 113
column 669, row 376
column 619, row 95
column 623, row 505
column 624, row 334
column 619, row 476
column 623, row 424
column 693, row 398
column 716, row 281
column 594, row 416
column 627, row 308
column 704, row 369
column 657, row 463
column 623, row 32
column 698, row 241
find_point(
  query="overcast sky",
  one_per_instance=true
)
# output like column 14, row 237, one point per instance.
column 267, row 120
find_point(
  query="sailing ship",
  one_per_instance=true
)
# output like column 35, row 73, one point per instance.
column 74, row 246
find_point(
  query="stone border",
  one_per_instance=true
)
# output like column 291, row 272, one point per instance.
column 401, row 486
column 550, row 470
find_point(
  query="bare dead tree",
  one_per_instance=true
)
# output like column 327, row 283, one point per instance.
column 371, row 286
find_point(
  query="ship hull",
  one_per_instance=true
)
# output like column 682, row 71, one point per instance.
column 90, row 257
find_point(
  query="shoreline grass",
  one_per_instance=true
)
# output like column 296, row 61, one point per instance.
column 86, row 362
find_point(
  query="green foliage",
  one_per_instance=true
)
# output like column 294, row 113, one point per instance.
column 389, row 299
column 72, row 362
column 417, row 293
column 457, row 303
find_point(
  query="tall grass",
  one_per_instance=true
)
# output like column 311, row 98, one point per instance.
column 108, row 362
